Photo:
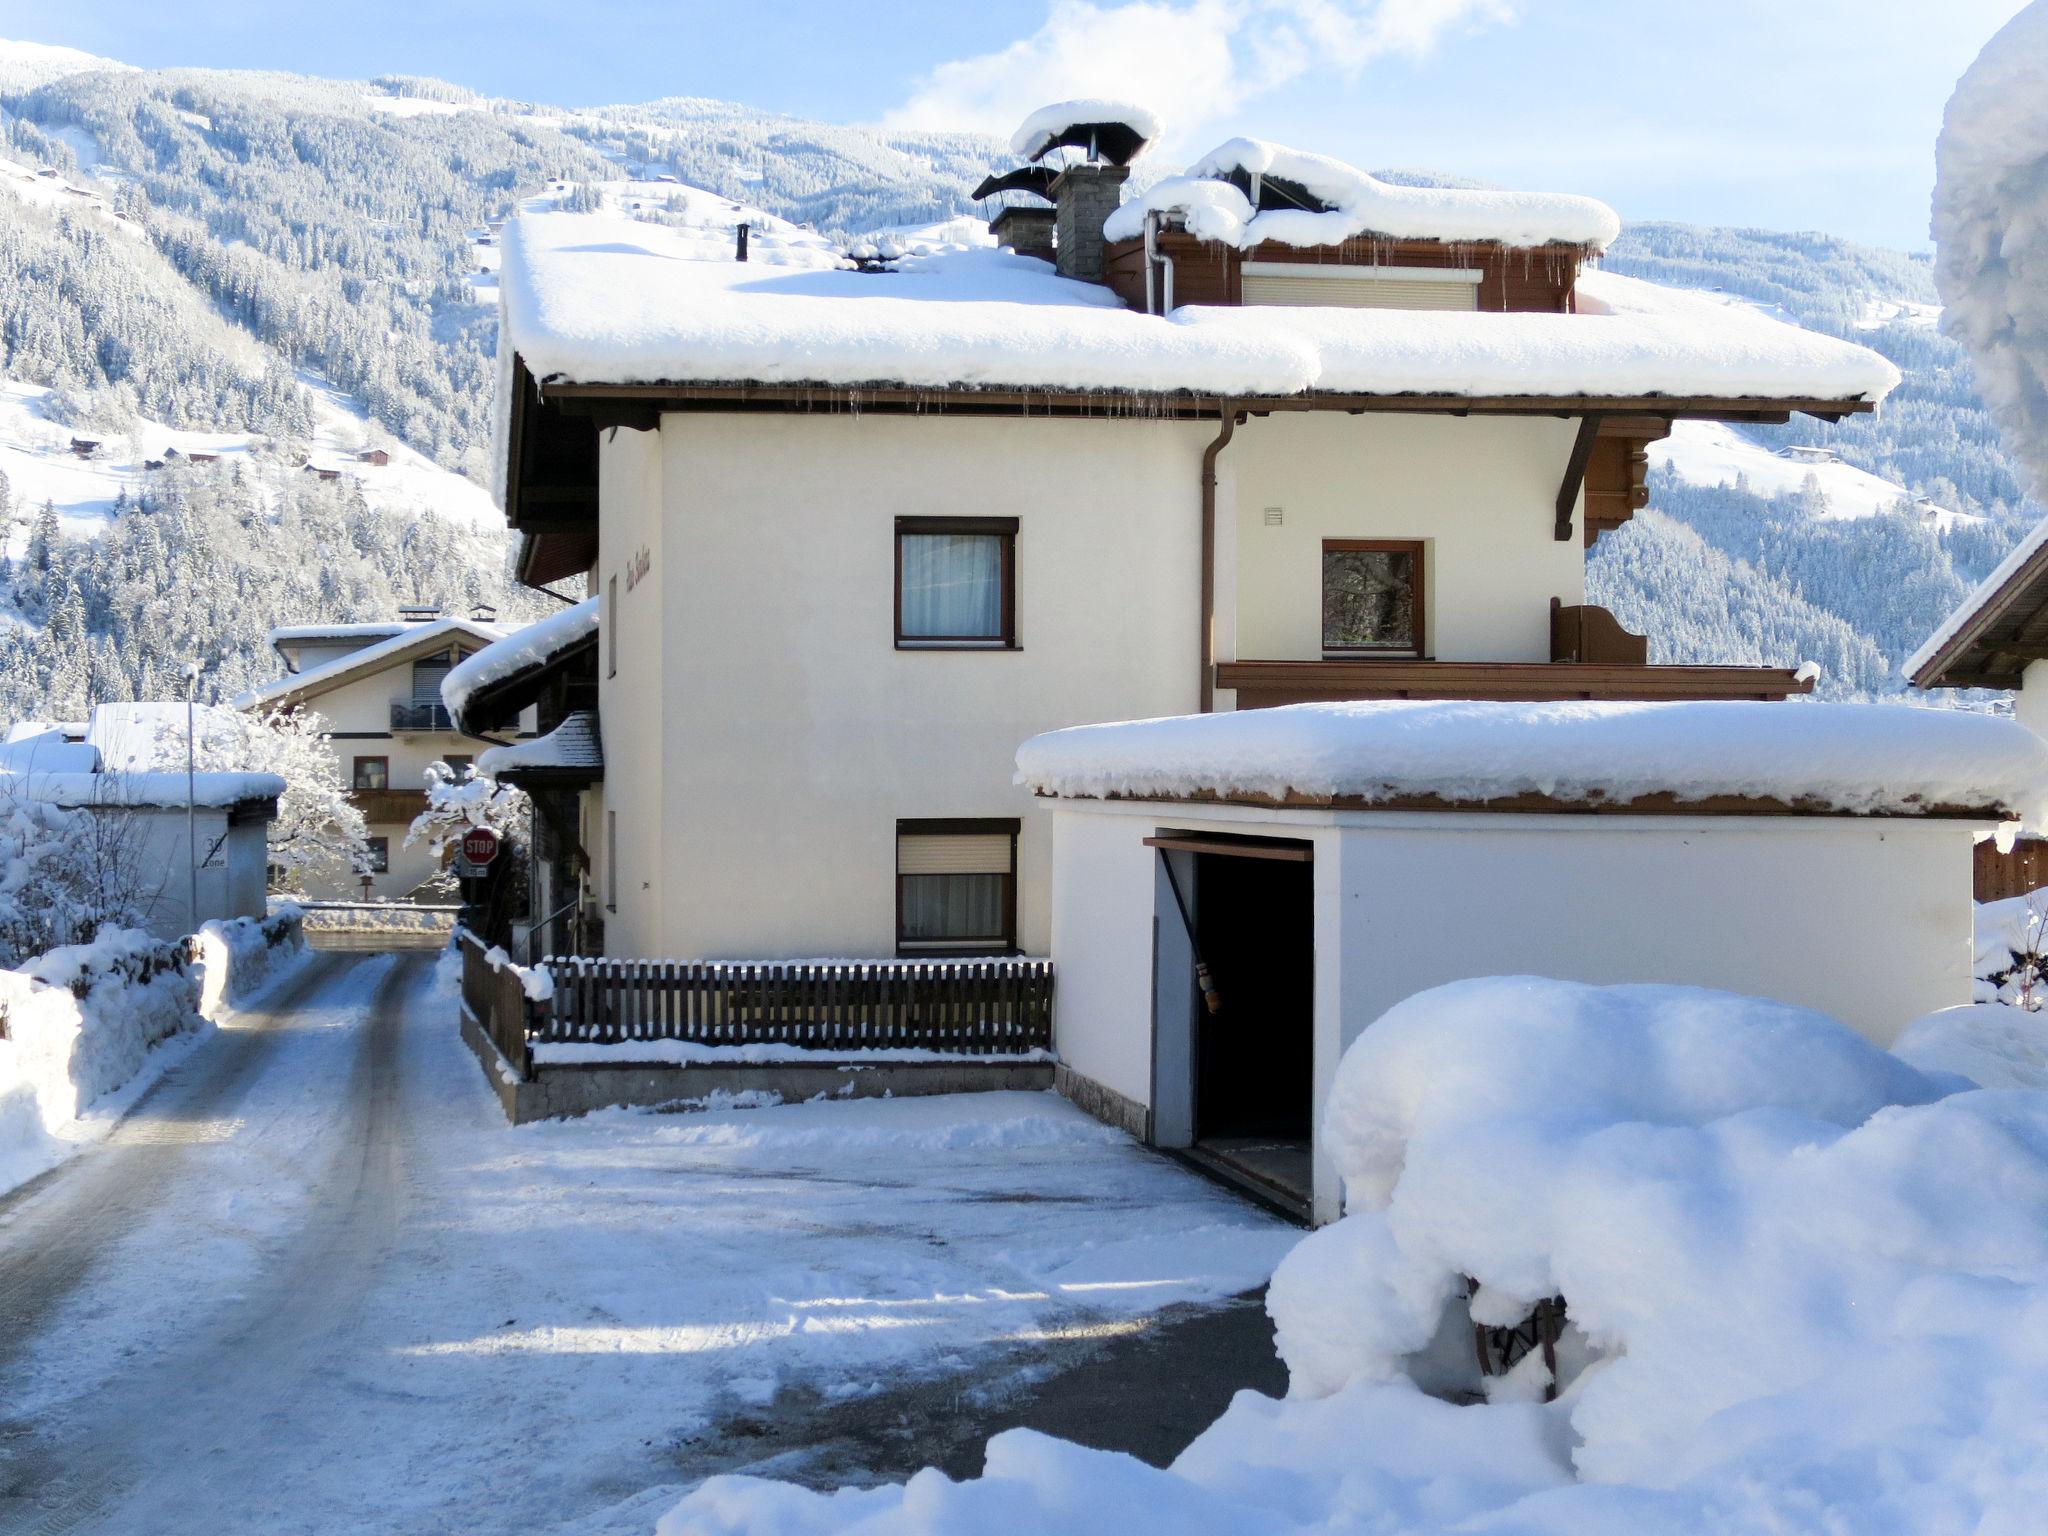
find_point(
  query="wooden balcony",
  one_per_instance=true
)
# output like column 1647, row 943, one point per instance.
column 381, row 807
column 1264, row 684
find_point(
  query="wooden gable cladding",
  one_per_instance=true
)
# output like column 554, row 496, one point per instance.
column 550, row 483
column 1617, row 472
column 1209, row 272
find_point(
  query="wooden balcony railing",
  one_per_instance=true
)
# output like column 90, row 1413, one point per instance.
column 1264, row 684
column 383, row 806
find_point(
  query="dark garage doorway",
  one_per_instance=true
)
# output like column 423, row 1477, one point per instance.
column 1253, row 905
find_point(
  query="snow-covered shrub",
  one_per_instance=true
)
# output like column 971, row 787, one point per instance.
column 2011, row 951
column 1806, row 1280
column 65, row 874
column 75, row 1025
column 237, row 956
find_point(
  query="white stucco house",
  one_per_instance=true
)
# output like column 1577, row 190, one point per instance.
column 849, row 527
column 378, row 687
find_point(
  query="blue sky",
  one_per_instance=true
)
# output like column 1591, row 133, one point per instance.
column 1787, row 114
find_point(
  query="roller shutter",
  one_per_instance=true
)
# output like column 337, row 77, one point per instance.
column 1351, row 289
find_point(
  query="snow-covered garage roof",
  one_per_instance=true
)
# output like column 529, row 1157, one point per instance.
column 1864, row 759
column 593, row 299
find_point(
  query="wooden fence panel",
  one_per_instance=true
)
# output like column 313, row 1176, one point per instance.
column 2001, row 875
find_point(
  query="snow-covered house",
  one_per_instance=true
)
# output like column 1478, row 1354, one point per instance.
column 140, row 837
column 1277, row 431
column 378, row 687
column 1235, row 896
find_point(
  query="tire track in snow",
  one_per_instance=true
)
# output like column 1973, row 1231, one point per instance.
column 156, row 1447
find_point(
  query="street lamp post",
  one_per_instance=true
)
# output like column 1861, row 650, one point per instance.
column 191, row 779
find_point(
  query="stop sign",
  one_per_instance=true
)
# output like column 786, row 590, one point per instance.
column 479, row 845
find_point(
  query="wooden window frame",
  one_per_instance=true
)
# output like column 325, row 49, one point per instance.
column 1417, row 550
column 1004, row 528
column 959, row 826
column 379, row 850
column 355, row 774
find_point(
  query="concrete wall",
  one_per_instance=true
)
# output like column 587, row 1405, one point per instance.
column 1866, row 920
column 231, row 881
column 644, row 705
column 792, row 733
column 1481, row 492
column 2030, row 704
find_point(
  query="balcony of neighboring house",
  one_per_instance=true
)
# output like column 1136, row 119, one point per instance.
column 411, row 715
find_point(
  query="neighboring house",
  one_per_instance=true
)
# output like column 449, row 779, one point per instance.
column 378, row 687
column 143, row 821
column 1998, row 638
column 1274, row 432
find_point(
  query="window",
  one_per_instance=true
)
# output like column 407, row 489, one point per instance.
column 1372, row 596
column 1346, row 287
column 380, row 855
column 373, row 773
column 956, row 886
column 611, row 861
column 426, row 680
column 611, row 626
column 458, row 764
column 956, row 583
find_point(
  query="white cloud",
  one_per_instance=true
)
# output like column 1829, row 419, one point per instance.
column 1191, row 62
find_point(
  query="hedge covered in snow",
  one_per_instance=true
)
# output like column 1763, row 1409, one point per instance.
column 1802, row 1284
column 82, row 1026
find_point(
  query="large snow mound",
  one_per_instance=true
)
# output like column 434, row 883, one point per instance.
column 1803, row 1281
column 1873, row 759
column 1357, row 204
column 593, row 299
column 1990, row 230
column 1994, row 1045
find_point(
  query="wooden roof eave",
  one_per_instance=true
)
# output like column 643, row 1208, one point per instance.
column 600, row 401
column 515, row 691
column 1992, row 647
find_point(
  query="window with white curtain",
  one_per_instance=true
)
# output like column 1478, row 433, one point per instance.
column 956, row 886
column 955, row 582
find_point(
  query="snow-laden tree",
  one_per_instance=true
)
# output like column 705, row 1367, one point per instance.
column 318, row 829
column 458, row 802
column 1991, row 231
column 65, row 874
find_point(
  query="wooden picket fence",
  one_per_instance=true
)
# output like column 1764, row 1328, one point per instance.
column 985, row 1007
column 498, row 1002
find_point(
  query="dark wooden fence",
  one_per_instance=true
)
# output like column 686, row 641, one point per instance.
column 1999, row 875
column 497, row 1000
column 960, row 1007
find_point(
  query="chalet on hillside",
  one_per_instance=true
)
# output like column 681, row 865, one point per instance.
column 848, row 531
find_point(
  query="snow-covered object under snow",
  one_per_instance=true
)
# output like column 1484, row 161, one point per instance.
column 590, row 299
column 1803, row 1283
column 1871, row 759
column 1358, row 204
column 1994, row 1045
column 1990, row 231
column 574, row 743
column 522, row 649
column 1036, row 134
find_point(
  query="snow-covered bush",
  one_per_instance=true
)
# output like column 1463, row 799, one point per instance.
column 77, row 1024
column 1804, row 1282
column 65, row 874
column 2011, row 951
column 237, row 956
column 458, row 802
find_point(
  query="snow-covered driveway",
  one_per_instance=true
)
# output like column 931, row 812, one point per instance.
column 315, row 1283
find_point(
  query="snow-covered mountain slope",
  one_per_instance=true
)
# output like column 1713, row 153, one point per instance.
column 1711, row 453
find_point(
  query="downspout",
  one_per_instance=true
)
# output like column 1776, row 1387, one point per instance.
column 1151, row 260
column 1229, row 426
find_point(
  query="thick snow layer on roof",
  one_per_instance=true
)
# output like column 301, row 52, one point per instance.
column 596, row 300
column 1971, row 606
column 1991, row 231
column 572, row 744
column 1876, row 759
column 368, row 659
column 1359, row 204
column 285, row 634
column 145, row 734
column 1037, row 132
column 48, row 751
column 143, row 790
column 518, row 651
column 1801, row 1282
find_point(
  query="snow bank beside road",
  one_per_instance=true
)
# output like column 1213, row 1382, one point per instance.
column 84, row 1028
column 1802, row 1277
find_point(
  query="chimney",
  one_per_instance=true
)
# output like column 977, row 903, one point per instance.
column 1084, row 196
column 1025, row 230
column 740, row 233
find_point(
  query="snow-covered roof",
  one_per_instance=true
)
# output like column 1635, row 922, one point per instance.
column 1870, row 759
column 1047, row 126
column 520, row 651
column 289, row 634
column 416, row 637
column 145, row 790
column 47, row 751
column 1356, row 204
column 593, row 299
column 143, row 734
column 2017, row 571
column 574, row 744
